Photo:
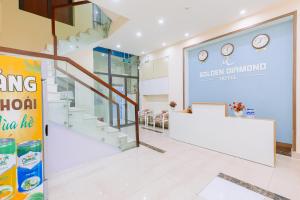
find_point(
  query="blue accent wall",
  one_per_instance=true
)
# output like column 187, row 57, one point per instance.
column 263, row 79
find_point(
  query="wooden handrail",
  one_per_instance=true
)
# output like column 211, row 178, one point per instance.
column 71, row 62
column 76, row 65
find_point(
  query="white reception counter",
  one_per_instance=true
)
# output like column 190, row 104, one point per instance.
column 210, row 127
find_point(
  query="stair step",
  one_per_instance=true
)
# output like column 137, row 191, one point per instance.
column 111, row 130
column 89, row 117
column 75, row 109
column 51, row 80
column 53, row 96
column 131, row 143
column 65, row 46
column 73, row 39
column 51, row 87
column 49, row 48
column 122, row 139
column 93, row 32
column 83, row 35
column 101, row 124
column 82, row 39
column 58, row 101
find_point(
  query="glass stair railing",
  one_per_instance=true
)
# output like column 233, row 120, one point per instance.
column 101, row 22
column 90, row 25
column 76, row 101
column 77, row 98
column 81, row 104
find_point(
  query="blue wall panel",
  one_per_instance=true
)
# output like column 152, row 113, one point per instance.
column 268, row 91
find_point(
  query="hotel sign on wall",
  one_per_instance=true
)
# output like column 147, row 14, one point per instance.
column 233, row 72
column 21, row 135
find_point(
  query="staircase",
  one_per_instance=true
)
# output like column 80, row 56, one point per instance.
column 88, row 39
column 96, row 30
column 63, row 108
column 81, row 120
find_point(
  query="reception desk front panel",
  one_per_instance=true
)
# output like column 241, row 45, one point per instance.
column 250, row 139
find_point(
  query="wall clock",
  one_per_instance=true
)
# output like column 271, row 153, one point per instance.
column 227, row 49
column 203, row 55
column 260, row 41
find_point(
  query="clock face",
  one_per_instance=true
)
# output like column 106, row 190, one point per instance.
column 203, row 55
column 227, row 49
column 261, row 41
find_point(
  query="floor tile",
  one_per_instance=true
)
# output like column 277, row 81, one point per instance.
column 220, row 189
column 182, row 172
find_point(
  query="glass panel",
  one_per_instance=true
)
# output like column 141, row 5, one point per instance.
column 119, row 84
column 132, row 89
column 103, row 77
column 130, row 128
column 89, row 114
column 117, row 65
column 89, row 24
column 124, row 64
column 101, row 105
column 131, row 67
column 132, row 93
column 100, row 62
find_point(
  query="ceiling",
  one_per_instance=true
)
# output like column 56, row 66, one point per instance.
column 180, row 17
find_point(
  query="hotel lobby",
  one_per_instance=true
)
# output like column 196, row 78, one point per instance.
column 149, row 100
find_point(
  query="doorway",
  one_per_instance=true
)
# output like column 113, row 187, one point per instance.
column 127, row 86
column 120, row 70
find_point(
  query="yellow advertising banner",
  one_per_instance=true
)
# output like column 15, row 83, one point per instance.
column 21, row 129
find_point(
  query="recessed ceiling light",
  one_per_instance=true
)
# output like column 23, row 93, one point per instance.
column 161, row 21
column 163, row 44
column 242, row 12
column 143, row 52
column 118, row 46
column 186, row 34
column 139, row 34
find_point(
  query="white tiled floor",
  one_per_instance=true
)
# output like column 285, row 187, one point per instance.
column 180, row 173
column 220, row 189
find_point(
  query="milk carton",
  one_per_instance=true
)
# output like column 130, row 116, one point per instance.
column 30, row 172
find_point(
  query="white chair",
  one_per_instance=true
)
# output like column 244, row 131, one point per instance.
column 161, row 118
column 165, row 118
column 145, row 115
column 148, row 114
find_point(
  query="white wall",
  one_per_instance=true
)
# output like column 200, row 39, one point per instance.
column 78, row 150
column 156, row 103
column 154, row 84
column 175, row 52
